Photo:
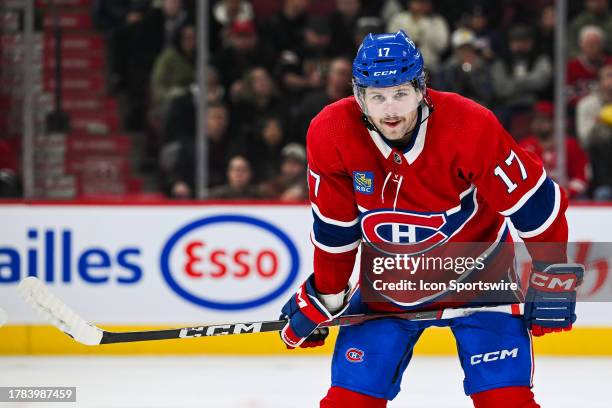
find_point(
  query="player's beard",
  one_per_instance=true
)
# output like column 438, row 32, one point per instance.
column 396, row 128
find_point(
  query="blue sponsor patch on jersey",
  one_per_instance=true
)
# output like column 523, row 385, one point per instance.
column 363, row 182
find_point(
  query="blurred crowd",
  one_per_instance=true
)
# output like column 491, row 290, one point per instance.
column 271, row 72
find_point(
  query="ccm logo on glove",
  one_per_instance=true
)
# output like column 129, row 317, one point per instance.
column 554, row 283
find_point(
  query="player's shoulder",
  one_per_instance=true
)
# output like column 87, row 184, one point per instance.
column 459, row 123
column 453, row 106
column 335, row 122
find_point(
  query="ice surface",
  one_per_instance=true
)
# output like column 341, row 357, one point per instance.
column 278, row 382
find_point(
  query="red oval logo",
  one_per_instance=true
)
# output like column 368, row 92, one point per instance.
column 354, row 355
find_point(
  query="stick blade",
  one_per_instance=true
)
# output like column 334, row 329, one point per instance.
column 56, row 312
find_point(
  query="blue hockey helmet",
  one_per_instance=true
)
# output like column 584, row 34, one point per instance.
column 388, row 60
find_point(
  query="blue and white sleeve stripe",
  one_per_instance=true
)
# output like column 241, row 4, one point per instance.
column 520, row 203
column 539, row 211
column 334, row 236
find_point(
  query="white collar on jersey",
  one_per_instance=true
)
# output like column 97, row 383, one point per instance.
column 416, row 149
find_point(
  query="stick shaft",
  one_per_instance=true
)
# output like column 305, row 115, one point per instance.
column 192, row 332
column 54, row 310
column 277, row 325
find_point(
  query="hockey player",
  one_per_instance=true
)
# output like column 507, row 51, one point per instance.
column 396, row 149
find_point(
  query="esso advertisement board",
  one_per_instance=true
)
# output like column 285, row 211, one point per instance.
column 186, row 264
column 257, row 265
column 158, row 264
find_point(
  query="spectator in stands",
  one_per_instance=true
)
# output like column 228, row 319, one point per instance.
column 599, row 146
column 180, row 119
column 179, row 168
column 306, row 70
column 256, row 96
column 385, row 9
column 365, row 26
column 518, row 79
column 588, row 108
column 228, row 11
column 238, row 186
column 596, row 13
column 489, row 42
column 582, row 70
column 285, row 30
column 459, row 13
column 133, row 49
column 542, row 143
column 131, row 56
column 244, row 51
column 110, row 14
column 465, row 71
column 291, row 184
column 343, row 21
column 174, row 69
column 262, row 144
column 427, row 29
column 545, row 40
column 167, row 20
column 545, row 36
column 337, row 86
column 225, row 12
column 214, row 90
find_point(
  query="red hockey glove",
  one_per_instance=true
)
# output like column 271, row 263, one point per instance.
column 550, row 302
column 306, row 310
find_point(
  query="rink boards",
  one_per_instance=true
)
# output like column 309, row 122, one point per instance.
column 129, row 267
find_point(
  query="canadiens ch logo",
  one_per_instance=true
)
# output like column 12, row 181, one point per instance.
column 354, row 355
column 403, row 227
column 411, row 227
column 363, row 182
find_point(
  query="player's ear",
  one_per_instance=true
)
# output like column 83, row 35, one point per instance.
column 419, row 94
column 359, row 94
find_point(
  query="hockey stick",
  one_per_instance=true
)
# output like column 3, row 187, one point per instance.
column 61, row 316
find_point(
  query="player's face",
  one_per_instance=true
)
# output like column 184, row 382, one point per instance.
column 393, row 109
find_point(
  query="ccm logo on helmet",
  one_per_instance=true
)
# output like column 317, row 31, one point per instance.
column 493, row 356
column 385, row 73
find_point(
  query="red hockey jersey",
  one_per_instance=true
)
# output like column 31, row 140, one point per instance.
column 582, row 77
column 460, row 179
